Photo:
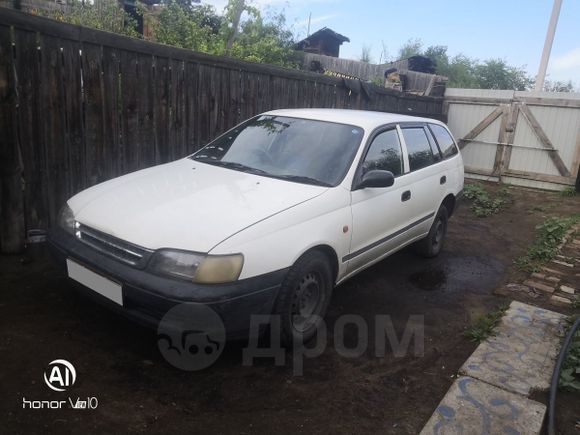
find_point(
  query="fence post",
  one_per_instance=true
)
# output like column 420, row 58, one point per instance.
column 507, row 132
column 11, row 195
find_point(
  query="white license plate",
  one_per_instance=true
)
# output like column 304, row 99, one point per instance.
column 95, row 282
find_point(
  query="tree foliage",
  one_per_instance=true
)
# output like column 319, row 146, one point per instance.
column 558, row 86
column 497, row 74
column 412, row 47
column 365, row 55
column 466, row 72
column 242, row 31
column 105, row 15
column 255, row 38
column 265, row 41
column 195, row 27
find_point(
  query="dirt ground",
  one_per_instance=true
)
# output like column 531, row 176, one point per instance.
column 42, row 318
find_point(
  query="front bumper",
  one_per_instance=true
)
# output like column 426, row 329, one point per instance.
column 147, row 297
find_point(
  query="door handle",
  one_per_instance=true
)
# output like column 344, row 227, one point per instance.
column 443, row 180
column 406, row 195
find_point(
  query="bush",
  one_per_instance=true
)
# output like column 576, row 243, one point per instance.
column 482, row 204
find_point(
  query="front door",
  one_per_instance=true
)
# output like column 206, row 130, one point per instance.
column 379, row 214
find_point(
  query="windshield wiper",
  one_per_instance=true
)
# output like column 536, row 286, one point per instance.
column 303, row 179
column 232, row 165
column 249, row 169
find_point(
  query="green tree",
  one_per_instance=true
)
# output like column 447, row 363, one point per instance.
column 438, row 53
column 198, row 27
column 365, row 55
column 105, row 15
column 233, row 12
column 465, row 72
column 497, row 74
column 266, row 41
column 195, row 26
column 187, row 4
column 461, row 72
column 189, row 27
column 410, row 48
column 558, row 86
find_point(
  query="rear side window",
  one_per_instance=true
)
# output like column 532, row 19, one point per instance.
column 385, row 153
column 444, row 140
column 418, row 147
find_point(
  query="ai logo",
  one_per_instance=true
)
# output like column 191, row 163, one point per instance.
column 59, row 375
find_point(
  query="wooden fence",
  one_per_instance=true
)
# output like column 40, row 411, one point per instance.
column 416, row 82
column 79, row 106
column 530, row 139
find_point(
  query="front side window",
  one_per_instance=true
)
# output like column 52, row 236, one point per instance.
column 444, row 140
column 418, row 148
column 384, row 154
column 294, row 149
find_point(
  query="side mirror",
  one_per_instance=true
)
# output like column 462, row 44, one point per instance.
column 377, row 178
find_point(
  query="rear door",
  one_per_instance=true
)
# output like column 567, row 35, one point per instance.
column 450, row 154
column 427, row 178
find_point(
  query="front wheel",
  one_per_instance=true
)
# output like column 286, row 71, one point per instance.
column 431, row 245
column 304, row 297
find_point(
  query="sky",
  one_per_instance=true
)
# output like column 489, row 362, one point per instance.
column 513, row 30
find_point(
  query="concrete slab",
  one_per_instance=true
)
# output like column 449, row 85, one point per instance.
column 520, row 357
column 472, row 407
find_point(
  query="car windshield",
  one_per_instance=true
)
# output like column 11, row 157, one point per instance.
column 294, row 149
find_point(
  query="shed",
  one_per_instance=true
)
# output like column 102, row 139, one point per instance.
column 324, row 41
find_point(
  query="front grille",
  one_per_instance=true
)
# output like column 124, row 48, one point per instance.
column 121, row 250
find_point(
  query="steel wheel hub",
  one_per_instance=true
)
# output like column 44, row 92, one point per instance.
column 306, row 301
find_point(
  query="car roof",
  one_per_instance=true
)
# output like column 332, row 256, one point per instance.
column 366, row 119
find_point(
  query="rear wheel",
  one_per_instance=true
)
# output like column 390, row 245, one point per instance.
column 431, row 245
column 304, row 297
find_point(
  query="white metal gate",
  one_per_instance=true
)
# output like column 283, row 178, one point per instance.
column 525, row 138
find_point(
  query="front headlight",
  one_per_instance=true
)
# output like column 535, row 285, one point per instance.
column 199, row 268
column 66, row 219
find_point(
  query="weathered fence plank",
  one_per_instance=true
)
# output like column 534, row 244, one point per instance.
column 30, row 127
column 92, row 105
column 11, row 198
column 130, row 91
column 112, row 112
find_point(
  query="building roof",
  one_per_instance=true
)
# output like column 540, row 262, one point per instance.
column 366, row 119
column 325, row 32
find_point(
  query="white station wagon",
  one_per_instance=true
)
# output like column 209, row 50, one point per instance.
column 267, row 218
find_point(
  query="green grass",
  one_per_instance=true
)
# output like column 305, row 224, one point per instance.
column 540, row 208
column 576, row 303
column 568, row 192
column 484, row 326
column 549, row 234
column 482, row 203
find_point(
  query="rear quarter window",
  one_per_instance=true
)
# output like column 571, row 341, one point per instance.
column 444, row 140
column 418, row 148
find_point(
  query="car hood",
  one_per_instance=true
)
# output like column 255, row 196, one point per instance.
column 185, row 204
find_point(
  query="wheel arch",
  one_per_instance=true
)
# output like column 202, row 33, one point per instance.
column 330, row 253
column 449, row 202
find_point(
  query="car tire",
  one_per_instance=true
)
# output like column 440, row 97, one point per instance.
column 305, row 292
column 431, row 245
